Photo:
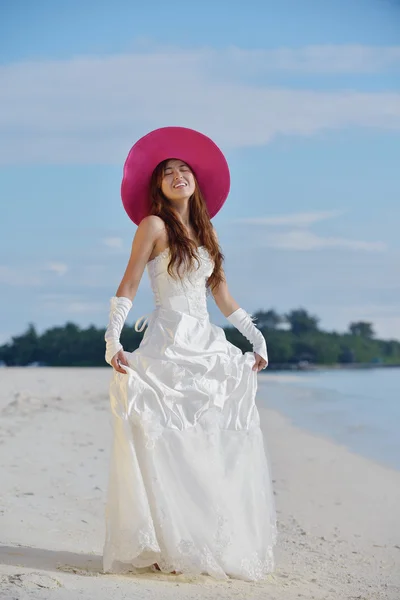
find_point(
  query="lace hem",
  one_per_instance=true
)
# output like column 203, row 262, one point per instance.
column 187, row 559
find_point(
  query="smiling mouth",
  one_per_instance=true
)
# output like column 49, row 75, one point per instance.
column 179, row 185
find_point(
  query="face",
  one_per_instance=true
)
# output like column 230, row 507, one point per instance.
column 178, row 182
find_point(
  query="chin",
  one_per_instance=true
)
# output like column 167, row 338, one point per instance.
column 178, row 197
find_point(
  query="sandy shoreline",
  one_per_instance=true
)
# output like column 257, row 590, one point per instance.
column 339, row 513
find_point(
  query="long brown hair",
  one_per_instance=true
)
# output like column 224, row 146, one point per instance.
column 183, row 250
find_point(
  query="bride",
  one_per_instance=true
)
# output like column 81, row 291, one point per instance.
column 189, row 484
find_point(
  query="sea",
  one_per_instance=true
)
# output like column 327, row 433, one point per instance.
column 359, row 408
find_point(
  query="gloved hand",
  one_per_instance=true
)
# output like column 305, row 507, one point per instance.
column 244, row 323
column 119, row 309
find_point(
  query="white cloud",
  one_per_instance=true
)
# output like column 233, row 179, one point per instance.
column 57, row 267
column 29, row 275
column 113, row 242
column 326, row 60
column 307, row 240
column 66, row 304
column 84, row 307
column 18, row 277
column 293, row 220
column 303, row 239
column 86, row 110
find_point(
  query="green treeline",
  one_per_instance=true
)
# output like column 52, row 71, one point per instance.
column 292, row 338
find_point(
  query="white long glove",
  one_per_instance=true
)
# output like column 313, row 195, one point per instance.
column 243, row 323
column 119, row 309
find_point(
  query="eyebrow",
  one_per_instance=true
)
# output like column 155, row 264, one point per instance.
column 181, row 165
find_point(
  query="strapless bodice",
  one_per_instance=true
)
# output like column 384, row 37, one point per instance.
column 188, row 294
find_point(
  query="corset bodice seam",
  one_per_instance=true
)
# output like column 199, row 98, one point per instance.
column 194, row 293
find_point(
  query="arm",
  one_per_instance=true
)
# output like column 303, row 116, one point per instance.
column 142, row 246
column 223, row 298
column 242, row 321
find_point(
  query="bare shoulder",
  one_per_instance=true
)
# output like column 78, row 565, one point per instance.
column 150, row 237
column 152, row 224
column 150, row 231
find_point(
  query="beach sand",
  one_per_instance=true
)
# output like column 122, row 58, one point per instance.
column 339, row 513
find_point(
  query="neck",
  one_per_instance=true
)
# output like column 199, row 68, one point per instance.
column 183, row 213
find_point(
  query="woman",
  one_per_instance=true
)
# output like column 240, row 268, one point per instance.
column 189, row 488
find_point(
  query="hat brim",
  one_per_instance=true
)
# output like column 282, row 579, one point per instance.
column 192, row 147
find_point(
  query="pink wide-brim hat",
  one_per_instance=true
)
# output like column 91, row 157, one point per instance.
column 197, row 150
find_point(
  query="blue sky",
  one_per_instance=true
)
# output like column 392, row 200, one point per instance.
column 304, row 99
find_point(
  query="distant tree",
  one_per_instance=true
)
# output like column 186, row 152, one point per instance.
column 22, row 350
column 237, row 339
column 326, row 347
column 69, row 345
column 268, row 319
column 362, row 329
column 303, row 350
column 279, row 343
column 390, row 349
column 346, row 355
column 301, row 322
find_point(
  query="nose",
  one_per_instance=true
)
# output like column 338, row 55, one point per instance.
column 177, row 174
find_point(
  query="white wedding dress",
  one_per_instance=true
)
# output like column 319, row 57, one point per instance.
column 189, row 484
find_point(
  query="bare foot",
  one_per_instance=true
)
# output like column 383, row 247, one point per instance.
column 155, row 565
